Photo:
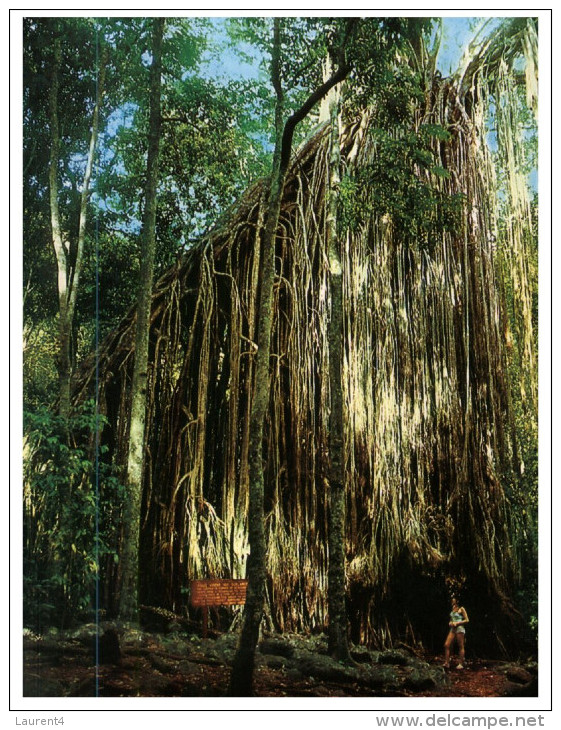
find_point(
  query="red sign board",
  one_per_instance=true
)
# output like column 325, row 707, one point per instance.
column 218, row 592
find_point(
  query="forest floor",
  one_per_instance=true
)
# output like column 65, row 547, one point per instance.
column 140, row 664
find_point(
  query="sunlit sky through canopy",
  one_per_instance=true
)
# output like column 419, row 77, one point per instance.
column 457, row 33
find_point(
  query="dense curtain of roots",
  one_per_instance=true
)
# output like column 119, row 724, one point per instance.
column 428, row 399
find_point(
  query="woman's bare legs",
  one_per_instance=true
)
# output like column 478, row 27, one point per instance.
column 447, row 646
column 461, row 637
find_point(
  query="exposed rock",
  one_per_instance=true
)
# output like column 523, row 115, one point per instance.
column 222, row 649
column 514, row 689
column 378, row 676
column 362, row 655
column 425, row 677
column 229, row 641
column 155, row 618
column 276, row 647
column 181, row 645
column 317, row 643
column 523, row 680
column 517, row 674
column 325, row 668
column 274, row 662
column 395, row 656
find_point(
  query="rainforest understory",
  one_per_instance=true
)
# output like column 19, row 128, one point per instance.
column 175, row 664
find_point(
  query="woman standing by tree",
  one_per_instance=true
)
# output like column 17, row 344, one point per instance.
column 457, row 632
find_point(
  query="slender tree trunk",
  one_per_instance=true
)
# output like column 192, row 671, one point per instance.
column 128, row 605
column 338, row 644
column 60, row 248
column 77, row 268
column 242, row 672
column 241, row 683
column 68, row 272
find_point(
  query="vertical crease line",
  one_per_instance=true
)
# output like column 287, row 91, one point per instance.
column 97, row 425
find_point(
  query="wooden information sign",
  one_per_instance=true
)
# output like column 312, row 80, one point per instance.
column 218, row 592
column 214, row 592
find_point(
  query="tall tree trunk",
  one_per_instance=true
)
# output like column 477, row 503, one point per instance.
column 241, row 683
column 242, row 671
column 77, row 267
column 68, row 272
column 338, row 643
column 60, row 248
column 128, row 605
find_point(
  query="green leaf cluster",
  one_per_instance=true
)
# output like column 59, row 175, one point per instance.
column 404, row 183
column 72, row 500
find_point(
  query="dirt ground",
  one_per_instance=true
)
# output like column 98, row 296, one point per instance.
column 156, row 666
column 138, row 678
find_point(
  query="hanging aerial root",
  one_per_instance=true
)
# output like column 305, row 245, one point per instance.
column 427, row 397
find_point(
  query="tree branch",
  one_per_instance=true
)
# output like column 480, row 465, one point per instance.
column 301, row 113
column 343, row 70
column 86, row 186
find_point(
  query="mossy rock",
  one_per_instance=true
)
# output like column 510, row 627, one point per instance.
column 395, row 656
column 326, row 669
column 277, row 647
column 518, row 674
column 361, row 655
column 378, row 677
column 424, row 678
column 274, row 662
column 181, row 646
